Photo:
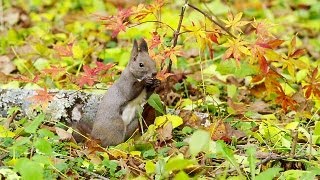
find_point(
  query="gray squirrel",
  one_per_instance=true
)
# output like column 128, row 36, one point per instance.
column 117, row 115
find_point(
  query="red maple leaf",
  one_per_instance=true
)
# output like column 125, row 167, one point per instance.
column 42, row 98
column 21, row 78
column 155, row 41
column 54, row 70
column 313, row 84
column 117, row 23
column 63, row 50
column 284, row 100
column 102, row 67
column 89, row 76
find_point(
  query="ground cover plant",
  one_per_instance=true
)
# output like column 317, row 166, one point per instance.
column 239, row 97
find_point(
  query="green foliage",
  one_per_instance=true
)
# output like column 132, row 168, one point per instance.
column 155, row 101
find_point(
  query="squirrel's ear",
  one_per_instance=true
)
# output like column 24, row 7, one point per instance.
column 135, row 48
column 143, row 46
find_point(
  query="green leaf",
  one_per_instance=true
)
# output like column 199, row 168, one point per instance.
column 269, row 174
column 227, row 154
column 33, row 126
column 181, row 176
column 149, row 153
column 251, row 151
column 29, row 170
column 317, row 128
column 155, row 102
column 150, row 167
column 43, row 146
column 178, row 163
column 199, row 141
column 232, row 90
column 111, row 165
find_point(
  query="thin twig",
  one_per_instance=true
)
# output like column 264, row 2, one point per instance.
column 177, row 32
column 271, row 158
column 10, row 119
column 294, row 143
column 211, row 19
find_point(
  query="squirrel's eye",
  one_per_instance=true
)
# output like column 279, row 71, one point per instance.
column 141, row 65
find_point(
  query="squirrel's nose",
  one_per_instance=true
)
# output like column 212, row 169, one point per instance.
column 154, row 74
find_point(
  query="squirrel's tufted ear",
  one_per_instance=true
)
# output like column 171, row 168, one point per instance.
column 135, row 49
column 143, row 46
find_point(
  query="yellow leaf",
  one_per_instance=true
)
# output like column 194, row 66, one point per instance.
column 238, row 16
column 175, row 120
column 174, row 60
column 160, row 120
column 4, row 132
column 77, row 52
column 244, row 50
column 135, row 153
column 292, row 125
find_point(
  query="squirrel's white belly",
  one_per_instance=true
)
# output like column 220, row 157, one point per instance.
column 133, row 107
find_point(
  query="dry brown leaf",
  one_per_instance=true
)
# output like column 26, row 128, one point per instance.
column 63, row 134
column 165, row 132
column 6, row 66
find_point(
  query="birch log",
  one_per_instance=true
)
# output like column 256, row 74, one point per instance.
column 66, row 105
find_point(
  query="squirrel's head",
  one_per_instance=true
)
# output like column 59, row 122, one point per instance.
column 141, row 65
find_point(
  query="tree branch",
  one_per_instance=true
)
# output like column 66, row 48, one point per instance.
column 177, row 32
column 211, row 19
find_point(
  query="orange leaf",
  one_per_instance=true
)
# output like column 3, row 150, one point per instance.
column 42, row 98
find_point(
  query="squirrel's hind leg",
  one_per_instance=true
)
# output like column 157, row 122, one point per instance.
column 109, row 136
column 131, row 128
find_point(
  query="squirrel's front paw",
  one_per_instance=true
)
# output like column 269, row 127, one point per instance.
column 152, row 82
column 156, row 83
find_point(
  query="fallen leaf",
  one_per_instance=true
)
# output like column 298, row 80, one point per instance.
column 63, row 134
column 6, row 66
column 165, row 132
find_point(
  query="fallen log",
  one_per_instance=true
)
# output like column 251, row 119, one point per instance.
column 65, row 105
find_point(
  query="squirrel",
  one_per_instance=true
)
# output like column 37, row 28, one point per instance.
column 117, row 115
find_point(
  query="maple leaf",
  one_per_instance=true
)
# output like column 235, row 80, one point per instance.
column 284, row 100
column 270, row 44
column 172, row 53
column 64, row 50
column 117, row 23
column 21, row 78
column 42, row 98
column 141, row 11
column 264, row 66
column 54, row 70
column 197, row 31
column 162, row 75
column 292, row 51
column 155, row 40
column 236, row 48
column 262, row 29
column 102, row 67
column 234, row 22
column 312, row 86
column 89, row 76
